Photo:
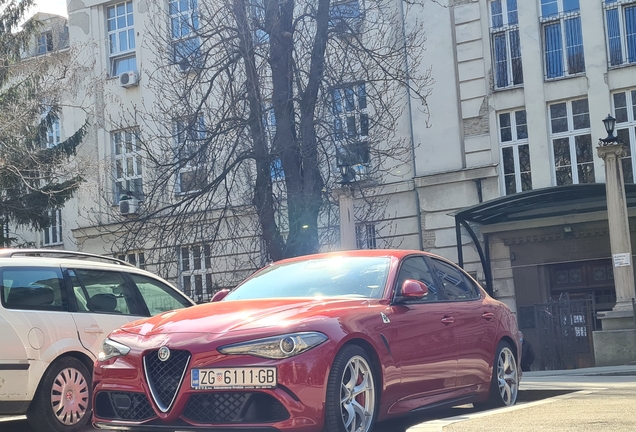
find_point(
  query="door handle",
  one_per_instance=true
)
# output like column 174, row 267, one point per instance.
column 488, row 315
column 93, row 330
column 448, row 320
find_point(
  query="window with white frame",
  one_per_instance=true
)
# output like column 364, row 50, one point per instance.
column 345, row 16
column 572, row 142
column 186, row 44
column 128, row 165
column 562, row 38
column 52, row 233
column 53, row 133
column 624, row 103
column 121, row 37
column 620, row 22
column 269, row 125
column 136, row 258
column 52, row 129
column 514, row 152
column 366, row 236
column 351, row 126
column 195, row 265
column 190, row 154
column 257, row 13
column 504, row 40
column 45, row 43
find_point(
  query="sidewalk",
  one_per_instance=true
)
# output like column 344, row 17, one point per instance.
column 598, row 399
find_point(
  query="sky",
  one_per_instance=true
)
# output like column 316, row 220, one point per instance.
column 51, row 6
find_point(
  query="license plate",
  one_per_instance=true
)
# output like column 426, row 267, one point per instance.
column 233, row 378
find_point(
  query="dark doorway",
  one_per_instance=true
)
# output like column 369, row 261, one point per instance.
column 582, row 280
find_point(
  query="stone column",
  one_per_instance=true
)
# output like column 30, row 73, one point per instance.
column 620, row 239
column 347, row 218
column 615, row 344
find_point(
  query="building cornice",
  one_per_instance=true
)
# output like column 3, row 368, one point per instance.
column 456, row 176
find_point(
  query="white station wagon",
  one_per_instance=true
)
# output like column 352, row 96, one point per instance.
column 56, row 307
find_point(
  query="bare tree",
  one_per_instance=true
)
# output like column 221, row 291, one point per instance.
column 256, row 104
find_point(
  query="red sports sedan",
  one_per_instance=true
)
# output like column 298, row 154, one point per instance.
column 330, row 342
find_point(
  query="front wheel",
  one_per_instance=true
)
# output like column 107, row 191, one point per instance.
column 351, row 392
column 62, row 401
column 504, row 385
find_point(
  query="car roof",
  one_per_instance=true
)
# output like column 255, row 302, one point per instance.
column 57, row 258
column 58, row 253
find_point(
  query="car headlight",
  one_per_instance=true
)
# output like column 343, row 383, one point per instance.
column 111, row 349
column 276, row 347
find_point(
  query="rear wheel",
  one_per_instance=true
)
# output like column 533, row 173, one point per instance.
column 504, row 385
column 351, row 392
column 62, row 401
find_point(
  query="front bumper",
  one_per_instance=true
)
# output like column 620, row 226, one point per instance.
column 123, row 400
column 167, row 428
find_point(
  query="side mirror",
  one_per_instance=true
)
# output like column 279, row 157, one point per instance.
column 413, row 290
column 219, row 295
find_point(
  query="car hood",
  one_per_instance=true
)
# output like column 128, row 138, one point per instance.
column 227, row 316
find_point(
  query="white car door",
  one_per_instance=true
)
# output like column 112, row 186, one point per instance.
column 104, row 301
column 14, row 367
column 35, row 327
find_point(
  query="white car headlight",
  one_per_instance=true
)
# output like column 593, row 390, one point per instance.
column 111, row 349
column 276, row 347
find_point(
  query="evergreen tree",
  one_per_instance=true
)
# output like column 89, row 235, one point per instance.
column 35, row 177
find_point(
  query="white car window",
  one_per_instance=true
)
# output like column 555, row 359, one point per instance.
column 102, row 292
column 158, row 296
column 36, row 288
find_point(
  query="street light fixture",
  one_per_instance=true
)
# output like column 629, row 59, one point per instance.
column 609, row 122
column 347, row 172
column 344, row 169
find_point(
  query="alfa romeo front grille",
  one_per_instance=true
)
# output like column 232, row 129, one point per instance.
column 215, row 407
column 165, row 377
column 234, row 407
column 123, row 406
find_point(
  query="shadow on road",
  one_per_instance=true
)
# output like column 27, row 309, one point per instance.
column 402, row 424
column 398, row 425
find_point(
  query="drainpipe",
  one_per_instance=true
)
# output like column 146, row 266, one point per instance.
column 418, row 209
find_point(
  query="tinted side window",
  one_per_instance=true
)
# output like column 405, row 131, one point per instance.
column 417, row 269
column 36, row 288
column 158, row 296
column 454, row 283
column 102, row 292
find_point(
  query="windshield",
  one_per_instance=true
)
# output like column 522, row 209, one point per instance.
column 338, row 276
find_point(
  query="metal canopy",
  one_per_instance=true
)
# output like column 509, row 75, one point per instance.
column 543, row 203
column 534, row 204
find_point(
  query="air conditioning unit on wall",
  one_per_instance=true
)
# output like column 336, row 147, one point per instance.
column 128, row 79
column 128, row 206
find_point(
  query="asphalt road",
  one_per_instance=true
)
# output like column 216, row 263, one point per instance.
column 21, row 425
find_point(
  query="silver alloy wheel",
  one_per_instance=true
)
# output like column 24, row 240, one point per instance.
column 507, row 376
column 69, row 396
column 357, row 395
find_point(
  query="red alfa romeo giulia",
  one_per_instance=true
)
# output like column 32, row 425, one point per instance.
column 330, row 342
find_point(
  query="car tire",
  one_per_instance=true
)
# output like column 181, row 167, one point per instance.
column 62, row 402
column 504, row 384
column 352, row 398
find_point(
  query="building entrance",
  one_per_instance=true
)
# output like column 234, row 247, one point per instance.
column 561, row 329
column 585, row 280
